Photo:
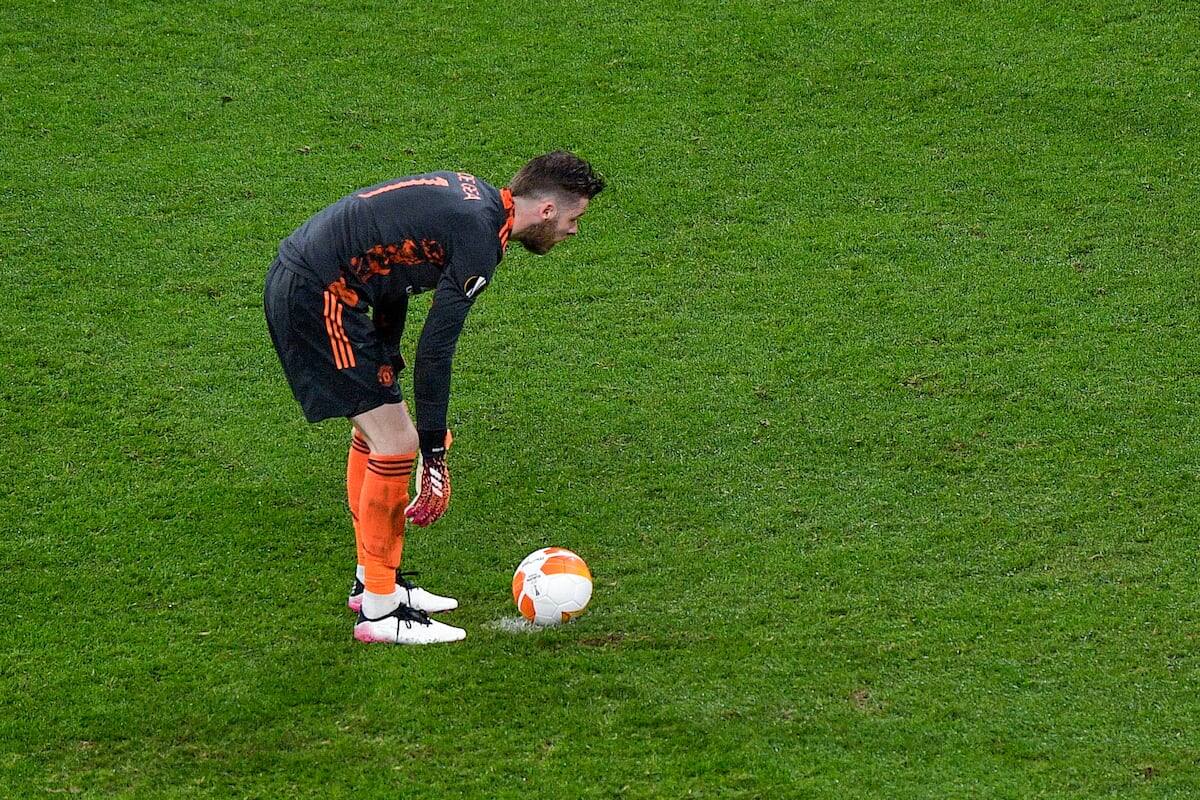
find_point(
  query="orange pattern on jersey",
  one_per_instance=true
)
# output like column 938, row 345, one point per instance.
column 380, row 259
column 434, row 252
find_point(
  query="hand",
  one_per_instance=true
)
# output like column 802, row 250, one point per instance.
column 433, row 491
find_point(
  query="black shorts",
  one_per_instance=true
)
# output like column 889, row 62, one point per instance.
column 331, row 353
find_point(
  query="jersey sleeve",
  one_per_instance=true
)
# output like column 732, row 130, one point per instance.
column 472, row 260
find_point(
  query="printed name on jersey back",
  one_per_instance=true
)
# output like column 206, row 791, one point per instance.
column 470, row 188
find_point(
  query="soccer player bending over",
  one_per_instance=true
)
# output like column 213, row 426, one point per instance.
column 335, row 300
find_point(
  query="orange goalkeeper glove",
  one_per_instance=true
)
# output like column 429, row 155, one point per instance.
column 433, row 484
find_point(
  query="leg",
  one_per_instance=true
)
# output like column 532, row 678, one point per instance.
column 389, row 428
column 392, row 440
column 335, row 364
column 356, row 471
column 357, row 468
column 389, row 613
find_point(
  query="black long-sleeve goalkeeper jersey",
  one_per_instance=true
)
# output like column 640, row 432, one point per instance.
column 444, row 231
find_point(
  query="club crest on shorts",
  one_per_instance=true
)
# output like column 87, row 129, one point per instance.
column 387, row 375
column 474, row 286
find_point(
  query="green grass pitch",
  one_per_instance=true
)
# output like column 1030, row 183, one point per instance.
column 869, row 391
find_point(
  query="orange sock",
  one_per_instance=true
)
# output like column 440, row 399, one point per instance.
column 381, row 518
column 356, row 471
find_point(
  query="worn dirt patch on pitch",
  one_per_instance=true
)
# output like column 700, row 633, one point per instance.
column 863, row 701
column 512, row 625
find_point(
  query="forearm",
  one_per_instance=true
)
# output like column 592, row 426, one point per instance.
column 435, row 356
column 431, row 389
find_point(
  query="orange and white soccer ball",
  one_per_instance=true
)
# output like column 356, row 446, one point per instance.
column 551, row 586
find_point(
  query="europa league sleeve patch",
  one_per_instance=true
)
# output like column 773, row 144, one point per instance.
column 474, row 286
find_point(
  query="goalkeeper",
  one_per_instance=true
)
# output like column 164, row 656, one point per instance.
column 335, row 300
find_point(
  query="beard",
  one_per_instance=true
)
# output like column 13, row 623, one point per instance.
column 538, row 238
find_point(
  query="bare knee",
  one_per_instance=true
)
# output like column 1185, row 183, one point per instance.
column 394, row 443
column 388, row 429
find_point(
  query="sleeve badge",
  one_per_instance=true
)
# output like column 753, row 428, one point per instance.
column 474, row 286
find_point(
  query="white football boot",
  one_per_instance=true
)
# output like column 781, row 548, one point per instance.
column 404, row 625
column 411, row 595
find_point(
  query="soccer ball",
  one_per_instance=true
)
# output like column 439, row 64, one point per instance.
column 551, row 586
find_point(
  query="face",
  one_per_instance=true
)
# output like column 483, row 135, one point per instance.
column 559, row 220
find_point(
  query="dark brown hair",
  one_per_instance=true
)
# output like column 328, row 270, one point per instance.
column 559, row 172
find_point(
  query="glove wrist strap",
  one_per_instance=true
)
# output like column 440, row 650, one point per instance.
column 433, row 443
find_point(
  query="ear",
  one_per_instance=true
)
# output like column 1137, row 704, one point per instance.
column 547, row 210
